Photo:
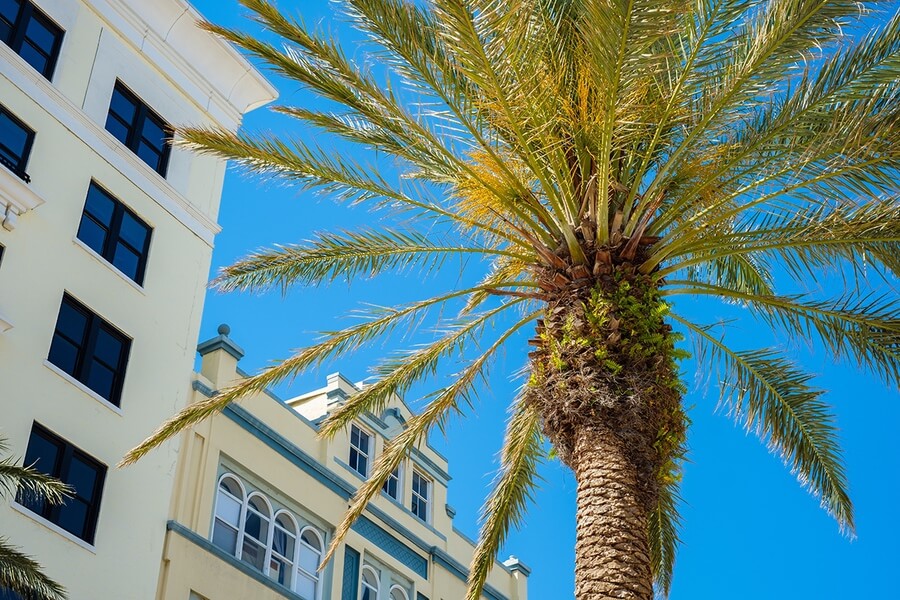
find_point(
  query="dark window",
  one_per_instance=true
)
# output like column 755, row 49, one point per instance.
column 90, row 349
column 359, row 450
column 136, row 125
column 31, row 34
column 2, row 248
column 15, row 142
column 115, row 233
column 50, row 454
column 391, row 485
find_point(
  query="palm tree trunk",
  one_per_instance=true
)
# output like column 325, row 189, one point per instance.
column 612, row 554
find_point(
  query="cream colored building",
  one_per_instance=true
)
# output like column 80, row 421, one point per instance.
column 258, row 496
column 107, row 239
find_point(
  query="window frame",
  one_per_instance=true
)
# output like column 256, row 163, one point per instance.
column 18, row 31
column 303, row 572
column 398, row 588
column 18, row 169
column 243, row 503
column 367, row 454
column 113, row 233
column 68, row 451
column 85, row 353
column 142, row 113
column 396, row 474
column 363, row 584
column 417, row 497
column 273, row 555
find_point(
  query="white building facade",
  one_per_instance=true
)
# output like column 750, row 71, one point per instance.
column 106, row 240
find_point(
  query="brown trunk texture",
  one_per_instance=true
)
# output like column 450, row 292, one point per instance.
column 612, row 553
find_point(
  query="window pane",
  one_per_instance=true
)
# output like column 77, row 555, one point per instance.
column 309, row 560
column 133, row 231
column 83, row 477
column 108, row 348
column 9, row 9
column 225, row 537
column 73, row 516
column 63, row 354
column 282, row 543
column 149, row 154
column 101, row 379
column 122, row 106
column 255, row 526
column 13, row 137
column 33, row 56
column 71, row 322
column 100, row 205
column 306, row 586
column 228, row 509
column 252, row 553
column 5, row 31
column 92, row 234
column 40, row 35
column 116, row 127
column 154, row 134
column 126, row 261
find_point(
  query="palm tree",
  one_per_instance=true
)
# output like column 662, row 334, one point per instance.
column 19, row 573
column 602, row 158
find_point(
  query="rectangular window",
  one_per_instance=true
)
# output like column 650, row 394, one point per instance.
column 421, row 494
column 360, row 442
column 115, row 233
column 392, row 484
column 50, row 454
column 138, row 127
column 90, row 349
column 31, row 34
column 15, row 143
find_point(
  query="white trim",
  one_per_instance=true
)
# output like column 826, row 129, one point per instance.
column 16, row 197
column 83, row 388
column 107, row 147
column 93, row 254
column 397, row 588
column 427, row 499
column 317, row 551
column 53, row 527
column 369, row 454
column 363, row 585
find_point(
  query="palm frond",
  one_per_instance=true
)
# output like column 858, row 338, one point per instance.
column 863, row 330
column 25, row 479
column 443, row 403
column 345, row 255
column 773, row 398
column 664, row 524
column 513, row 487
column 378, row 322
column 22, row 575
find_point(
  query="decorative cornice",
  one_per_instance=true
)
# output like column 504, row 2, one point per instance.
column 16, row 198
column 221, row 342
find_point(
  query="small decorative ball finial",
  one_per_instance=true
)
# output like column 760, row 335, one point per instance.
column 224, row 329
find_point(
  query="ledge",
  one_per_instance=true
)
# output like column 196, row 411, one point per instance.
column 53, row 527
column 16, row 198
column 87, row 391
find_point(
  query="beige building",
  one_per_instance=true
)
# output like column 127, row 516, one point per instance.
column 106, row 239
column 258, row 496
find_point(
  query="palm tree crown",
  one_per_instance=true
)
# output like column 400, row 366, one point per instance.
column 603, row 157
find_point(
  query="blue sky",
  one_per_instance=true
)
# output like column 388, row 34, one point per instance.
column 750, row 531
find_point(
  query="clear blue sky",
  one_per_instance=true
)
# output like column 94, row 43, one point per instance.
column 750, row 532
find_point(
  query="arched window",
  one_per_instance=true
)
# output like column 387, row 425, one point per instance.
column 370, row 584
column 229, row 505
column 256, row 531
column 284, row 541
column 398, row 593
column 309, row 556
